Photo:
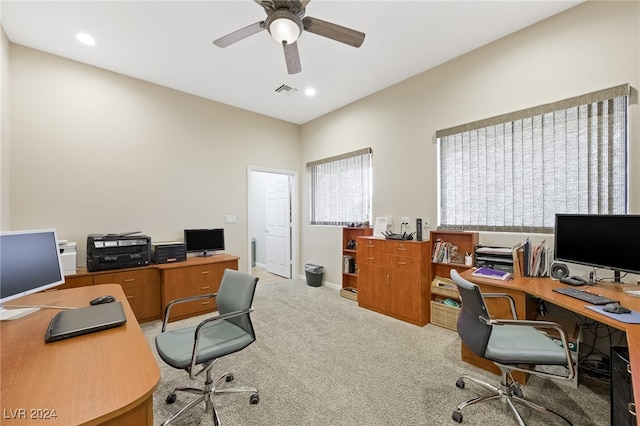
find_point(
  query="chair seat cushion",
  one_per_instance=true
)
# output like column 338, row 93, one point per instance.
column 510, row 344
column 217, row 339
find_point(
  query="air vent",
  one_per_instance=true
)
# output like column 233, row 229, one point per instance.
column 287, row 90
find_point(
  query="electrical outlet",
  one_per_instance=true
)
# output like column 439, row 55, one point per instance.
column 426, row 222
column 405, row 220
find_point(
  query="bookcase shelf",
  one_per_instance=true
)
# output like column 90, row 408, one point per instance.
column 442, row 288
column 350, row 276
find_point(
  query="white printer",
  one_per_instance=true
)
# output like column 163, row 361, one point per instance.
column 67, row 256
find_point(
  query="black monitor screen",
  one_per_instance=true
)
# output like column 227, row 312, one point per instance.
column 204, row 240
column 29, row 262
column 602, row 241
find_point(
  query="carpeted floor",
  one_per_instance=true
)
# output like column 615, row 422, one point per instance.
column 319, row 359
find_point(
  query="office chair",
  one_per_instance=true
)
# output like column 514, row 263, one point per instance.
column 199, row 347
column 511, row 345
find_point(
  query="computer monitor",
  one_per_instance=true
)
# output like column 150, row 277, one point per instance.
column 600, row 241
column 29, row 262
column 204, row 240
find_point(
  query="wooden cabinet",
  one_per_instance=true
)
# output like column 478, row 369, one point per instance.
column 149, row 288
column 196, row 276
column 394, row 278
column 140, row 286
column 349, row 260
column 77, row 280
column 444, row 294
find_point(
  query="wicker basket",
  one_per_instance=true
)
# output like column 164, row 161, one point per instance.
column 444, row 315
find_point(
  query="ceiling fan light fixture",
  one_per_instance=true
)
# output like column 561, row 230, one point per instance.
column 284, row 30
column 284, row 26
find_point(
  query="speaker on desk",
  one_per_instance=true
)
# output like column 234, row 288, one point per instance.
column 418, row 229
column 558, row 270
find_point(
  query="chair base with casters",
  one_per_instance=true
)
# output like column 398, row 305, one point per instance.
column 206, row 394
column 508, row 393
column 512, row 345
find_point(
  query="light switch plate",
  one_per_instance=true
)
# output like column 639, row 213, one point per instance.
column 230, row 218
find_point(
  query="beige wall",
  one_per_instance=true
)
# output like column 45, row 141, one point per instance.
column 590, row 47
column 96, row 152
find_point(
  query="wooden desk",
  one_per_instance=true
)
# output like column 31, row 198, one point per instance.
column 103, row 378
column 543, row 289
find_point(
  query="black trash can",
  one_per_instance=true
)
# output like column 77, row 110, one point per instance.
column 314, row 274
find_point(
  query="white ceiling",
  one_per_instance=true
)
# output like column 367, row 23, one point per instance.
column 170, row 43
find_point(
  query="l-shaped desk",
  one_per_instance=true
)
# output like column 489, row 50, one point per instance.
column 103, row 378
column 521, row 287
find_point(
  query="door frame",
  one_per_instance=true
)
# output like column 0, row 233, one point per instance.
column 294, row 214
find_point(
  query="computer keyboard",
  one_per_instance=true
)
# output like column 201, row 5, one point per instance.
column 585, row 296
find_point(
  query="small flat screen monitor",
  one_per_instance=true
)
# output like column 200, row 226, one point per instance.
column 204, row 240
column 29, row 262
column 600, row 241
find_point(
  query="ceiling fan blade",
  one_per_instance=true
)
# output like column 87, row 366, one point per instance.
column 240, row 34
column 292, row 57
column 333, row 31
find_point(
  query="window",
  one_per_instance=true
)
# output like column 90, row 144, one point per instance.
column 341, row 189
column 515, row 172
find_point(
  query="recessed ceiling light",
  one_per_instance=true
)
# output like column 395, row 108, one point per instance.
column 85, row 39
column 310, row 91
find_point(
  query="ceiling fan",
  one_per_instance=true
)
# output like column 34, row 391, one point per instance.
column 285, row 22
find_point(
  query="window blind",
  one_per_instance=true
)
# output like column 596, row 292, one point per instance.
column 340, row 189
column 515, row 172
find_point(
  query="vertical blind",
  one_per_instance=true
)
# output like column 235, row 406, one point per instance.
column 516, row 171
column 340, row 191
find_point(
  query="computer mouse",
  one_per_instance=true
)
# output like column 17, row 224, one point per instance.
column 102, row 299
column 616, row 308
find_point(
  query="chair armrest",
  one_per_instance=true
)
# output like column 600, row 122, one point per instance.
column 167, row 309
column 545, row 325
column 196, row 338
column 512, row 302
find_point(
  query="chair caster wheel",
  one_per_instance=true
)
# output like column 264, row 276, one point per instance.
column 171, row 398
column 457, row 416
column 229, row 378
column 515, row 390
column 254, row 399
column 460, row 384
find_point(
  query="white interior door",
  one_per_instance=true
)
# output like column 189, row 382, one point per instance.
column 279, row 225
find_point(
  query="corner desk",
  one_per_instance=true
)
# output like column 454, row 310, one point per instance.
column 524, row 290
column 103, row 378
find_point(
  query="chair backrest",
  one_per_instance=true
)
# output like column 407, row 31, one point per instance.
column 235, row 294
column 473, row 331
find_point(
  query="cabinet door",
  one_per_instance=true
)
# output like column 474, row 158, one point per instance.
column 372, row 279
column 372, row 287
column 404, row 287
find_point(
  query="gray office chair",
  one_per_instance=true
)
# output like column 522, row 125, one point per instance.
column 199, row 347
column 511, row 345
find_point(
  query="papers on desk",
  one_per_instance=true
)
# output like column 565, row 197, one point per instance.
column 494, row 274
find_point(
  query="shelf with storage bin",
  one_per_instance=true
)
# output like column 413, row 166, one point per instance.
column 350, row 236
column 442, row 288
column 445, row 304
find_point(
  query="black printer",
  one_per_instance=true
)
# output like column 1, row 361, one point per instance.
column 117, row 251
